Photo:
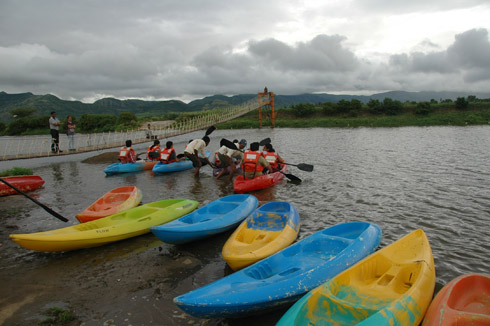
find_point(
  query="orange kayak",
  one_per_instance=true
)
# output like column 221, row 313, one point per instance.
column 24, row 183
column 115, row 201
column 465, row 301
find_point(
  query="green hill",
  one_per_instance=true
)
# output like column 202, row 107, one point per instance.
column 44, row 104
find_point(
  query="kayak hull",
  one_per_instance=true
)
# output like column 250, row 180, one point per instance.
column 137, row 166
column 393, row 286
column 218, row 216
column 24, row 183
column 242, row 185
column 123, row 225
column 162, row 168
column 114, row 201
column 465, row 301
column 284, row 277
column 270, row 228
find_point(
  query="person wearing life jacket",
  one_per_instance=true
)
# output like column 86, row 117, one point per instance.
column 126, row 154
column 153, row 152
column 272, row 157
column 168, row 154
column 192, row 151
column 226, row 155
column 253, row 162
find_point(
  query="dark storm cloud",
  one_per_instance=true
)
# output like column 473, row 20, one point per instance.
column 323, row 53
column 190, row 49
column 469, row 56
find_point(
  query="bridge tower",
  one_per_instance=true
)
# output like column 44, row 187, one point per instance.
column 266, row 100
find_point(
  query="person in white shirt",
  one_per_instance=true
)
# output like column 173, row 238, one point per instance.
column 54, row 125
column 225, row 155
column 192, row 151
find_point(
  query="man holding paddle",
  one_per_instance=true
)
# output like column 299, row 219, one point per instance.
column 192, row 151
column 225, row 155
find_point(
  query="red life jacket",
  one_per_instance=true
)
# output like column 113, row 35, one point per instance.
column 250, row 162
column 272, row 158
column 165, row 154
column 216, row 159
column 153, row 157
column 124, row 155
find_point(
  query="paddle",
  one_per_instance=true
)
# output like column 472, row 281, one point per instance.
column 231, row 145
column 210, row 130
column 302, row 166
column 46, row 208
column 289, row 176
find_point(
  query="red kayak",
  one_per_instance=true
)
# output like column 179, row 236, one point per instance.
column 24, row 183
column 465, row 301
column 241, row 185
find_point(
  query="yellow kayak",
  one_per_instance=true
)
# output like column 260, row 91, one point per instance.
column 393, row 286
column 269, row 229
column 123, row 225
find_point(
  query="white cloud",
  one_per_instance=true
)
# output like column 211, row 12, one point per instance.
column 166, row 49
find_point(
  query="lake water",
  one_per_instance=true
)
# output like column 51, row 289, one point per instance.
column 434, row 178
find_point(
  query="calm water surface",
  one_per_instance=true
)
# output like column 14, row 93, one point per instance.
column 435, row 178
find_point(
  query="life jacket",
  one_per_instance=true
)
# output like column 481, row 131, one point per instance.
column 250, row 162
column 124, row 154
column 165, row 154
column 216, row 159
column 152, row 153
column 272, row 158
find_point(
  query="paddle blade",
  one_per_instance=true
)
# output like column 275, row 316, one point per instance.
column 210, row 130
column 227, row 143
column 292, row 177
column 305, row 167
column 265, row 141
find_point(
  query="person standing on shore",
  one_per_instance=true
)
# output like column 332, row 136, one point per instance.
column 54, row 125
column 70, row 132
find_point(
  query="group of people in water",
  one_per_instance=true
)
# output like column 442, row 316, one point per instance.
column 228, row 159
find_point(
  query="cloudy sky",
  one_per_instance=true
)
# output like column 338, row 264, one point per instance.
column 157, row 49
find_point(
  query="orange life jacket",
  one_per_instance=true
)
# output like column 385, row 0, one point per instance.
column 124, row 154
column 165, row 154
column 272, row 158
column 153, row 157
column 250, row 162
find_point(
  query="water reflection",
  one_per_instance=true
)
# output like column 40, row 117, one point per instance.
column 403, row 179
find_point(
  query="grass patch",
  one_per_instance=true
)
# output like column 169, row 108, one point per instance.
column 16, row 171
column 57, row 316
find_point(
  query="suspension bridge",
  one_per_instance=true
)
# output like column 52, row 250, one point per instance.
column 23, row 147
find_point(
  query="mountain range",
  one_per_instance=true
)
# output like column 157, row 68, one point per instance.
column 44, row 104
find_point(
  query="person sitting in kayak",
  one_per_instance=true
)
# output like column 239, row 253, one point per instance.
column 168, row 154
column 272, row 157
column 225, row 156
column 192, row 151
column 253, row 162
column 153, row 152
column 126, row 154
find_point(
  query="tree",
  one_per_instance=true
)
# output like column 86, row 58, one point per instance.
column 392, row 107
column 461, row 103
column 303, row 109
column 423, row 108
column 375, row 106
column 127, row 119
column 329, row 108
column 22, row 112
column 96, row 122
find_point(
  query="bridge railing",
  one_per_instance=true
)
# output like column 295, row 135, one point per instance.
column 20, row 147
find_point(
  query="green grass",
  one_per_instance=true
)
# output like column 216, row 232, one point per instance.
column 284, row 119
column 16, row 171
column 57, row 316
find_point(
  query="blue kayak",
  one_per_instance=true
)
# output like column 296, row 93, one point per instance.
column 284, row 277
column 186, row 164
column 218, row 216
column 129, row 167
